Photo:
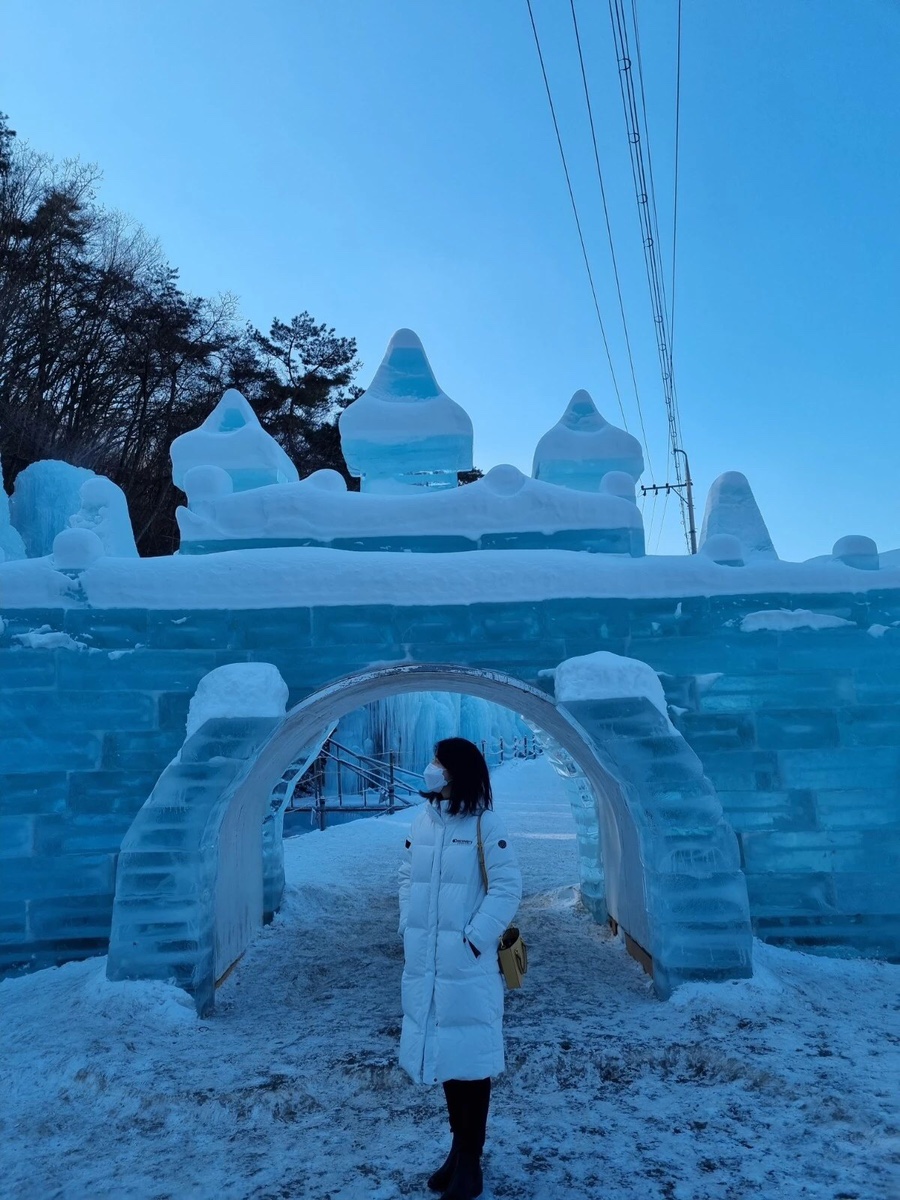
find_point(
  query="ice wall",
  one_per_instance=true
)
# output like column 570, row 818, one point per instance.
column 104, row 511
column 232, row 438
column 46, row 495
column 583, row 447
column 405, row 432
column 503, row 510
column 731, row 508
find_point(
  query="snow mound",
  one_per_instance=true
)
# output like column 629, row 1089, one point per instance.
column 781, row 620
column 238, row 690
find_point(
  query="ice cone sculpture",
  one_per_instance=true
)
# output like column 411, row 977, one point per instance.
column 232, row 438
column 731, row 508
column 404, row 432
column 583, row 446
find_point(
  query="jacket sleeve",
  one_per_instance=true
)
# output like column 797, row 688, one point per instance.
column 504, row 887
column 404, row 875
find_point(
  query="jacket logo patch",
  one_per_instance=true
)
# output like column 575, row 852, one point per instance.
column 502, row 844
column 461, row 842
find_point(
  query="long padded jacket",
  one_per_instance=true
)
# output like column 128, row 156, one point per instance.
column 453, row 1000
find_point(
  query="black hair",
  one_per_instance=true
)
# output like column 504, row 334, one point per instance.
column 470, row 781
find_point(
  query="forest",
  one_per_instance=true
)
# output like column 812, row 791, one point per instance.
column 105, row 358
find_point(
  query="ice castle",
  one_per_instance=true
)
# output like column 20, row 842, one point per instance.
column 728, row 723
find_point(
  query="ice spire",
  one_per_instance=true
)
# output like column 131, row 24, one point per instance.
column 405, row 432
column 583, row 446
column 232, row 438
column 731, row 508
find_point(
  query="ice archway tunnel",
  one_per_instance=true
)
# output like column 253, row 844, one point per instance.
column 656, row 853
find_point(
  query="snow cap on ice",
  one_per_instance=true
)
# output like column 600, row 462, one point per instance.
column 583, row 447
column 404, row 430
column 232, row 438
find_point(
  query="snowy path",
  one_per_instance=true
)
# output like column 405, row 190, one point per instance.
column 782, row 1086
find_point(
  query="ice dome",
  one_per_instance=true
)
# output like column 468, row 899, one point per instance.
column 404, row 430
column 232, row 438
column 583, row 446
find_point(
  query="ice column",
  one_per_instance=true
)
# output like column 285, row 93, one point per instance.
column 731, row 508
column 404, row 432
column 47, row 494
column 232, row 438
column 583, row 447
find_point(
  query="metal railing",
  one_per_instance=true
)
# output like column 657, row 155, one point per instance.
column 378, row 785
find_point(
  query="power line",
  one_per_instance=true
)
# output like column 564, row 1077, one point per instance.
column 612, row 250
column 584, row 252
column 642, row 177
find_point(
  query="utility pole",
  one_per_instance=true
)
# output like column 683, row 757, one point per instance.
column 685, row 493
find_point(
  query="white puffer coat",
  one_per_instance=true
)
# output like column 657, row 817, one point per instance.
column 453, row 1000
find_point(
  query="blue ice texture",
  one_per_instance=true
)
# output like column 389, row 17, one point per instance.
column 46, row 495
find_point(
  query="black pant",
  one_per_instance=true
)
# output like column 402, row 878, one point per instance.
column 468, row 1101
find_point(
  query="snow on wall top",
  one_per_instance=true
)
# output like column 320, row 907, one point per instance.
column 504, row 501
column 231, row 437
column 583, row 446
column 606, row 676
column 402, row 406
column 303, row 577
column 731, row 508
column 238, row 690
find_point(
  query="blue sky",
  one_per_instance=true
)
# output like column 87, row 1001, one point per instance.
column 387, row 163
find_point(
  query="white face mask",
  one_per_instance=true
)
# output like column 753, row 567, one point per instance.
column 435, row 780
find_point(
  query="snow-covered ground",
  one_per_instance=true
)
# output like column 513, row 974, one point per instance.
column 781, row 1086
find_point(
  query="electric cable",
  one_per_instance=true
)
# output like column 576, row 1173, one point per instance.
column 584, row 252
column 612, row 250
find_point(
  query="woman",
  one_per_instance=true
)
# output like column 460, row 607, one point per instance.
column 452, row 987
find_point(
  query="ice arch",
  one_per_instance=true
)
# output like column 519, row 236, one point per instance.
column 673, row 879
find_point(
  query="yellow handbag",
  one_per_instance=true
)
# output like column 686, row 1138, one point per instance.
column 512, row 953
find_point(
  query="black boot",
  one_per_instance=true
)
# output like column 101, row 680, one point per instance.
column 442, row 1176
column 467, row 1182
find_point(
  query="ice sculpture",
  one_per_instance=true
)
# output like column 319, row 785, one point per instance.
column 405, row 432
column 857, row 551
column 582, row 447
column 104, row 511
column 46, row 495
column 232, row 438
column 732, row 508
column 504, row 510
column 76, row 549
column 11, row 544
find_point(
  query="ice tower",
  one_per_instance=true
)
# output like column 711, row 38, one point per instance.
column 232, row 439
column 405, row 432
column 731, row 508
column 583, row 446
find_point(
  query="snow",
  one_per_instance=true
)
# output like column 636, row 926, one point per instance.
column 238, row 690
column 46, row 638
column 732, row 508
column 404, row 423
column 298, row 577
column 232, row 438
column 104, row 511
column 781, row 1086
column 606, row 676
column 46, row 495
column 783, row 619
column 504, row 501
column 583, row 446
column 76, row 549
